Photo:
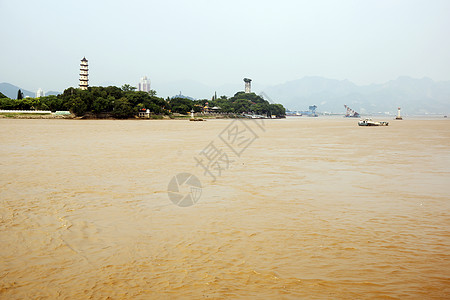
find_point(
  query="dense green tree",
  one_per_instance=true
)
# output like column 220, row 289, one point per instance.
column 101, row 104
column 2, row 95
column 7, row 103
column 19, row 95
column 260, row 108
column 114, row 91
column 125, row 102
column 224, row 104
column 88, row 98
column 155, row 104
column 128, row 88
column 181, row 105
column 241, row 105
column 78, row 106
column 137, row 97
column 70, row 92
column 252, row 97
column 277, row 110
column 54, row 103
column 123, row 109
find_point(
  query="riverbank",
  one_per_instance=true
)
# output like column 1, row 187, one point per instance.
column 34, row 116
column 101, row 117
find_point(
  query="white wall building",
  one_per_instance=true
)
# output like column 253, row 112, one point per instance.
column 40, row 93
column 144, row 85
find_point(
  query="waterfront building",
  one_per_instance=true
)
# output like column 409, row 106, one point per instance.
column 144, row 85
column 84, row 74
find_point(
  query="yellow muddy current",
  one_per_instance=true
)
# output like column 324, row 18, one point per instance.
column 309, row 208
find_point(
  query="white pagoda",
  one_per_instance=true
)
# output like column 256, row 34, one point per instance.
column 84, row 74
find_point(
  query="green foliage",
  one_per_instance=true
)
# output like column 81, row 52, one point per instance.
column 125, row 103
column 78, row 106
column 19, row 95
column 53, row 103
column 277, row 110
column 123, row 109
column 101, row 104
column 242, row 105
column 120, row 103
column 114, row 91
column 243, row 102
column 128, row 88
column 2, row 95
column 181, row 105
column 6, row 103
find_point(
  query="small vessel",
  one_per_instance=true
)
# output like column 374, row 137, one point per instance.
column 253, row 116
column 369, row 122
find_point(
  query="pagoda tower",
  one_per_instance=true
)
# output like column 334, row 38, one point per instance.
column 84, row 74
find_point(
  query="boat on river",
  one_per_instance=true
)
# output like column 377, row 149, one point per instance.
column 370, row 122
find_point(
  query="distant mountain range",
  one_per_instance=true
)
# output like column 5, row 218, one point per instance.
column 414, row 96
column 11, row 90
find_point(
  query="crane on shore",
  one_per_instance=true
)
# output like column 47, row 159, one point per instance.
column 351, row 113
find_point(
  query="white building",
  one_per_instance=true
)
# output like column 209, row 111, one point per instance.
column 84, row 74
column 144, row 85
column 40, row 93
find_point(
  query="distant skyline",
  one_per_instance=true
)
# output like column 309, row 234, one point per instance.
column 219, row 43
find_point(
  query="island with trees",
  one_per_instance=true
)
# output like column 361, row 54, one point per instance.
column 125, row 102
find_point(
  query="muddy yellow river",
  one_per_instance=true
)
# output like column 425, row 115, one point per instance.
column 310, row 208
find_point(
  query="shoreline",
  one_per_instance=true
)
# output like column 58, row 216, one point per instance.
column 187, row 117
column 73, row 117
column 35, row 116
column 91, row 117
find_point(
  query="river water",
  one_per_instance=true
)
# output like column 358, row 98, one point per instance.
column 312, row 208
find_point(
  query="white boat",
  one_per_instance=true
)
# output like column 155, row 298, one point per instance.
column 369, row 122
column 253, row 116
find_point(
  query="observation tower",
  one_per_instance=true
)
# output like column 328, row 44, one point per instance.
column 248, row 85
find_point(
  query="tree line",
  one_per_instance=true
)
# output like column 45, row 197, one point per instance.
column 125, row 102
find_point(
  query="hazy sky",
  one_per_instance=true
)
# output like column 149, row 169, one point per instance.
column 221, row 42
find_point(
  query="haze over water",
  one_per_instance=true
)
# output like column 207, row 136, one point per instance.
column 314, row 208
